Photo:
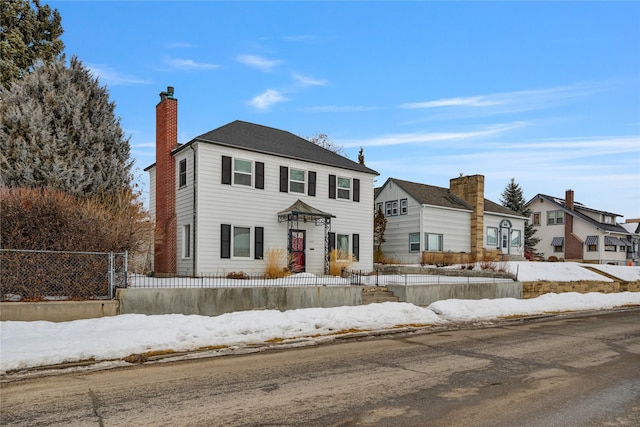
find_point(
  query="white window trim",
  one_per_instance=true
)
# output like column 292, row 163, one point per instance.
column 496, row 236
column 404, row 206
column 186, row 241
column 414, row 242
column 233, row 242
column 234, row 172
column 338, row 188
column 182, row 174
column 303, row 182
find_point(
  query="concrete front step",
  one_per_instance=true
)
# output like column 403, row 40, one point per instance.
column 377, row 295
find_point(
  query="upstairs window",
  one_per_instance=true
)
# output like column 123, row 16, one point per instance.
column 387, row 208
column 555, row 217
column 182, row 173
column 536, row 218
column 242, row 172
column 403, row 206
column 344, row 188
column 296, row 181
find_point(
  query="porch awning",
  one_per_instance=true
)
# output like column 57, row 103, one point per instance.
column 591, row 240
column 302, row 210
column 614, row 241
column 557, row 241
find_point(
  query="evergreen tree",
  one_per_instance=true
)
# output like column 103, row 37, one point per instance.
column 361, row 156
column 27, row 35
column 513, row 198
column 379, row 228
column 58, row 129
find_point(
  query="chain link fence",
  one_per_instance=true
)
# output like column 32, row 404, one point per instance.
column 28, row 275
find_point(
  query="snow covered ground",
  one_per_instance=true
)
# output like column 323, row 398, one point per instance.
column 32, row 344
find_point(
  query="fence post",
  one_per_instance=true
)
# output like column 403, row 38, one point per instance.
column 111, row 275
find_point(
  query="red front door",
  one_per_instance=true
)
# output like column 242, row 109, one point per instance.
column 296, row 250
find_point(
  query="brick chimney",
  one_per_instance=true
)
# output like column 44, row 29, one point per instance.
column 568, row 199
column 573, row 246
column 165, row 244
column 471, row 190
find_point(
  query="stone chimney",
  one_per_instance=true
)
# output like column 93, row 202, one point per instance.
column 471, row 190
column 165, row 244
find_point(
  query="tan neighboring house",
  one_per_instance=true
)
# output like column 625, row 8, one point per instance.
column 574, row 232
column 425, row 218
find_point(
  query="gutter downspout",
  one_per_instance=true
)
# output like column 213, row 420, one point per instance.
column 194, row 212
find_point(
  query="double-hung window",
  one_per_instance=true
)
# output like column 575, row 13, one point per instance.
column 344, row 188
column 403, row 206
column 296, row 181
column 536, row 218
column 555, row 217
column 414, row 242
column 186, row 241
column 433, row 242
column 342, row 245
column 242, row 172
column 182, row 173
column 241, row 242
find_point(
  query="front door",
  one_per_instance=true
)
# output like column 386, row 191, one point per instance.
column 296, row 250
column 504, row 240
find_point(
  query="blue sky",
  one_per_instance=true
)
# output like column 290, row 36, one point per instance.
column 545, row 92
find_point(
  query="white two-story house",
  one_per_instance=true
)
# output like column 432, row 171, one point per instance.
column 572, row 231
column 224, row 199
column 426, row 218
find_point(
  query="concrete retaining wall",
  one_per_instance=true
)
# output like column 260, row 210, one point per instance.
column 57, row 311
column 535, row 289
column 423, row 295
column 213, row 302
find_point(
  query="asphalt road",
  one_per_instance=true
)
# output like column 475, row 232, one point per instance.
column 565, row 371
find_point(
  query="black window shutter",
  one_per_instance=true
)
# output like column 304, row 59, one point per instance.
column 284, row 179
column 356, row 190
column 226, row 170
column 225, row 241
column 311, row 190
column 332, row 241
column 356, row 246
column 258, row 243
column 332, row 186
column 260, row 175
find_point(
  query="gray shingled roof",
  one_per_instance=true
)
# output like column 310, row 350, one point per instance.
column 264, row 139
column 439, row 196
column 602, row 226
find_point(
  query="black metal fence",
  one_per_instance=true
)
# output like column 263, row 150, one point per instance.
column 28, row 275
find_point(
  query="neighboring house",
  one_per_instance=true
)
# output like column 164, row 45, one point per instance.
column 223, row 200
column 633, row 250
column 423, row 217
column 571, row 231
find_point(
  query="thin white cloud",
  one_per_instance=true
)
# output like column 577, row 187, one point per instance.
column 338, row 108
column 475, row 101
column 189, row 64
column 431, row 137
column 523, row 100
column 308, row 80
column 113, row 77
column 258, row 62
column 267, row 99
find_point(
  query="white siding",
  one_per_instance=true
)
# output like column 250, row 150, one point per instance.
column 243, row 206
column 184, row 211
column 494, row 220
column 396, row 245
column 453, row 224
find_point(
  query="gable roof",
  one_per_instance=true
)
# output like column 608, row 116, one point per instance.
column 430, row 194
column 439, row 196
column 267, row 140
column 577, row 214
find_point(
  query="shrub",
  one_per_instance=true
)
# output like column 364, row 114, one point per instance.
column 276, row 263
column 339, row 262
